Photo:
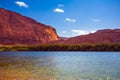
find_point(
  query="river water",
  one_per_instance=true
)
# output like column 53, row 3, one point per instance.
column 59, row 65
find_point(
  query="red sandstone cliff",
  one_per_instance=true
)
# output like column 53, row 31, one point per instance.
column 18, row 29
column 100, row 37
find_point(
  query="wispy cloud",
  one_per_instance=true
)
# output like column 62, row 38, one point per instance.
column 64, row 32
column 58, row 10
column 70, row 20
column 21, row 4
column 60, row 5
column 96, row 20
column 81, row 32
column 92, row 31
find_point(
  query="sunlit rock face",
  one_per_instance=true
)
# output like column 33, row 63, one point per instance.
column 18, row 29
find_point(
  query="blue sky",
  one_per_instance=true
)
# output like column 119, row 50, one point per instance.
column 69, row 17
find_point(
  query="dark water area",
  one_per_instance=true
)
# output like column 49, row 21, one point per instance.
column 59, row 66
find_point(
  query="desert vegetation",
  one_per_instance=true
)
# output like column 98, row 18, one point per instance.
column 62, row 47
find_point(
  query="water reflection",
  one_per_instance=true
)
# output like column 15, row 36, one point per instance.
column 25, row 67
column 59, row 66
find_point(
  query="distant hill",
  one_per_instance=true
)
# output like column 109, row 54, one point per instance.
column 99, row 37
column 18, row 29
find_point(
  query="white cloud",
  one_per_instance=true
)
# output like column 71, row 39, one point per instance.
column 92, row 31
column 58, row 10
column 96, row 20
column 21, row 4
column 79, row 32
column 64, row 32
column 70, row 20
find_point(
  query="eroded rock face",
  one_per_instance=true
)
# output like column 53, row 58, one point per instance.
column 18, row 29
column 100, row 37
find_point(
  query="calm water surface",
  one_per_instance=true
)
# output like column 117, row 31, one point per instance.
column 59, row 66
